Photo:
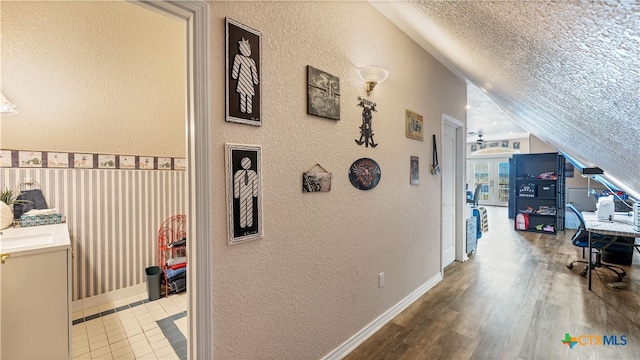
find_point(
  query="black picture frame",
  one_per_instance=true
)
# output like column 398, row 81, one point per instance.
column 244, row 192
column 243, row 77
column 568, row 169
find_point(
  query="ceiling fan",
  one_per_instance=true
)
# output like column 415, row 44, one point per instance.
column 480, row 140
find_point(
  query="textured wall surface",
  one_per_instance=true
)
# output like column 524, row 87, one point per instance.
column 110, row 76
column 567, row 71
column 312, row 282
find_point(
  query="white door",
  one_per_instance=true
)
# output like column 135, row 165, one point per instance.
column 449, row 175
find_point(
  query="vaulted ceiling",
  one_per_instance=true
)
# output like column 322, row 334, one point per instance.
column 566, row 71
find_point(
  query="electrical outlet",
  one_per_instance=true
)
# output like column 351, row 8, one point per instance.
column 381, row 279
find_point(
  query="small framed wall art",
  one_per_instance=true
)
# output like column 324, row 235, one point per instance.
column 413, row 125
column 414, row 174
column 323, row 94
column 243, row 74
column 316, row 181
column 244, row 192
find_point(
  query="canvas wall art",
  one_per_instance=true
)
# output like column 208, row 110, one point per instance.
column 323, row 94
column 244, row 192
column 243, row 74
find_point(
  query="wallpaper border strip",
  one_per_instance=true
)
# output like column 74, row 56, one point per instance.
column 67, row 160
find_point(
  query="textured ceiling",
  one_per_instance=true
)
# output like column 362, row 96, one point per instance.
column 486, row 118
column 566, row 71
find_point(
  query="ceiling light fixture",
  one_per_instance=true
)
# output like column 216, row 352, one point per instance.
column 372, row 76
column 6, row 107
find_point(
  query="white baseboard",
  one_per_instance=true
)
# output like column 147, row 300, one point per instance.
column 362, row 335
column 110, row 297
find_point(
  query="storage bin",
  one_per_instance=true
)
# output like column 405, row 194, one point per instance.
column 527, row 189
column 35, row 220
column 548, row 191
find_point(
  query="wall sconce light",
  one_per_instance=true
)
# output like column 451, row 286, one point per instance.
column 6, row 107
column 372, row 76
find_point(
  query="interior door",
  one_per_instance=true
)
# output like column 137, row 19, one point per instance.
column 493, row 176
column 449, row 175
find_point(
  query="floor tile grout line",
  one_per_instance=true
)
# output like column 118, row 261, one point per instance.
column 110, row 311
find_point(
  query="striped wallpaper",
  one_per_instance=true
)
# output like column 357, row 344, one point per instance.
column 113, row 218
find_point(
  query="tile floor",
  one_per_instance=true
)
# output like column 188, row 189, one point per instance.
column 134, row 328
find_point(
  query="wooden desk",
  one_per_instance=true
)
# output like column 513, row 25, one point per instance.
column 622, row 225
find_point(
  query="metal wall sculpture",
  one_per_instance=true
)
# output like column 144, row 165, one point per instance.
column 366, row 130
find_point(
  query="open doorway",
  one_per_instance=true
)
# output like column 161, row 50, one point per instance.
column 195, row 15
column 112, row 255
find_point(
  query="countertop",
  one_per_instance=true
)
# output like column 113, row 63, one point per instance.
column 21, row 241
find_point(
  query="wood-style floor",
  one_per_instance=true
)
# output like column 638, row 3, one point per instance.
column 515, row 299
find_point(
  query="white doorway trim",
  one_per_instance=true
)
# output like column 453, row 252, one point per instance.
column 199, row 293
column 458, row 185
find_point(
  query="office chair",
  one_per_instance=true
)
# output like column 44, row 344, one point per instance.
column 599, row 242
column 476, row 196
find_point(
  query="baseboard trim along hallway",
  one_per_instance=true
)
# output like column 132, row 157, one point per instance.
column 378, row 323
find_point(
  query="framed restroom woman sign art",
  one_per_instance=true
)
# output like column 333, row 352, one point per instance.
column 243, row 74
column 244, row 192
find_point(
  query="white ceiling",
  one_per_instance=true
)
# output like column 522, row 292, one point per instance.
column 566, row 71
column 485, row 117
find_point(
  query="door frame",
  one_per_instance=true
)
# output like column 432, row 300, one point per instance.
column 195, row 14
column 460, row 196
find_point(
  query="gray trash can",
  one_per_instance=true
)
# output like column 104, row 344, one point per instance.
column 154, row 274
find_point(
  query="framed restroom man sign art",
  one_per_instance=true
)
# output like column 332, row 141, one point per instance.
column 243, row 74
column 244, row 192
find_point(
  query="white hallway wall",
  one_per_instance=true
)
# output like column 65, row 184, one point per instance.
column 312, row 282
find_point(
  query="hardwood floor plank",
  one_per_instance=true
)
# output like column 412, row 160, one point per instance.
column 385, row 345
column 514, row 299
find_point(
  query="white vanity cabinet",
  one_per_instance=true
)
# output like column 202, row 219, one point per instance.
column 35, row 293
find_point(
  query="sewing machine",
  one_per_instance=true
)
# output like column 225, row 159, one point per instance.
column 605, row 208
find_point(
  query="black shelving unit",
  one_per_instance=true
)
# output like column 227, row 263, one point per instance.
column 542, row 199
